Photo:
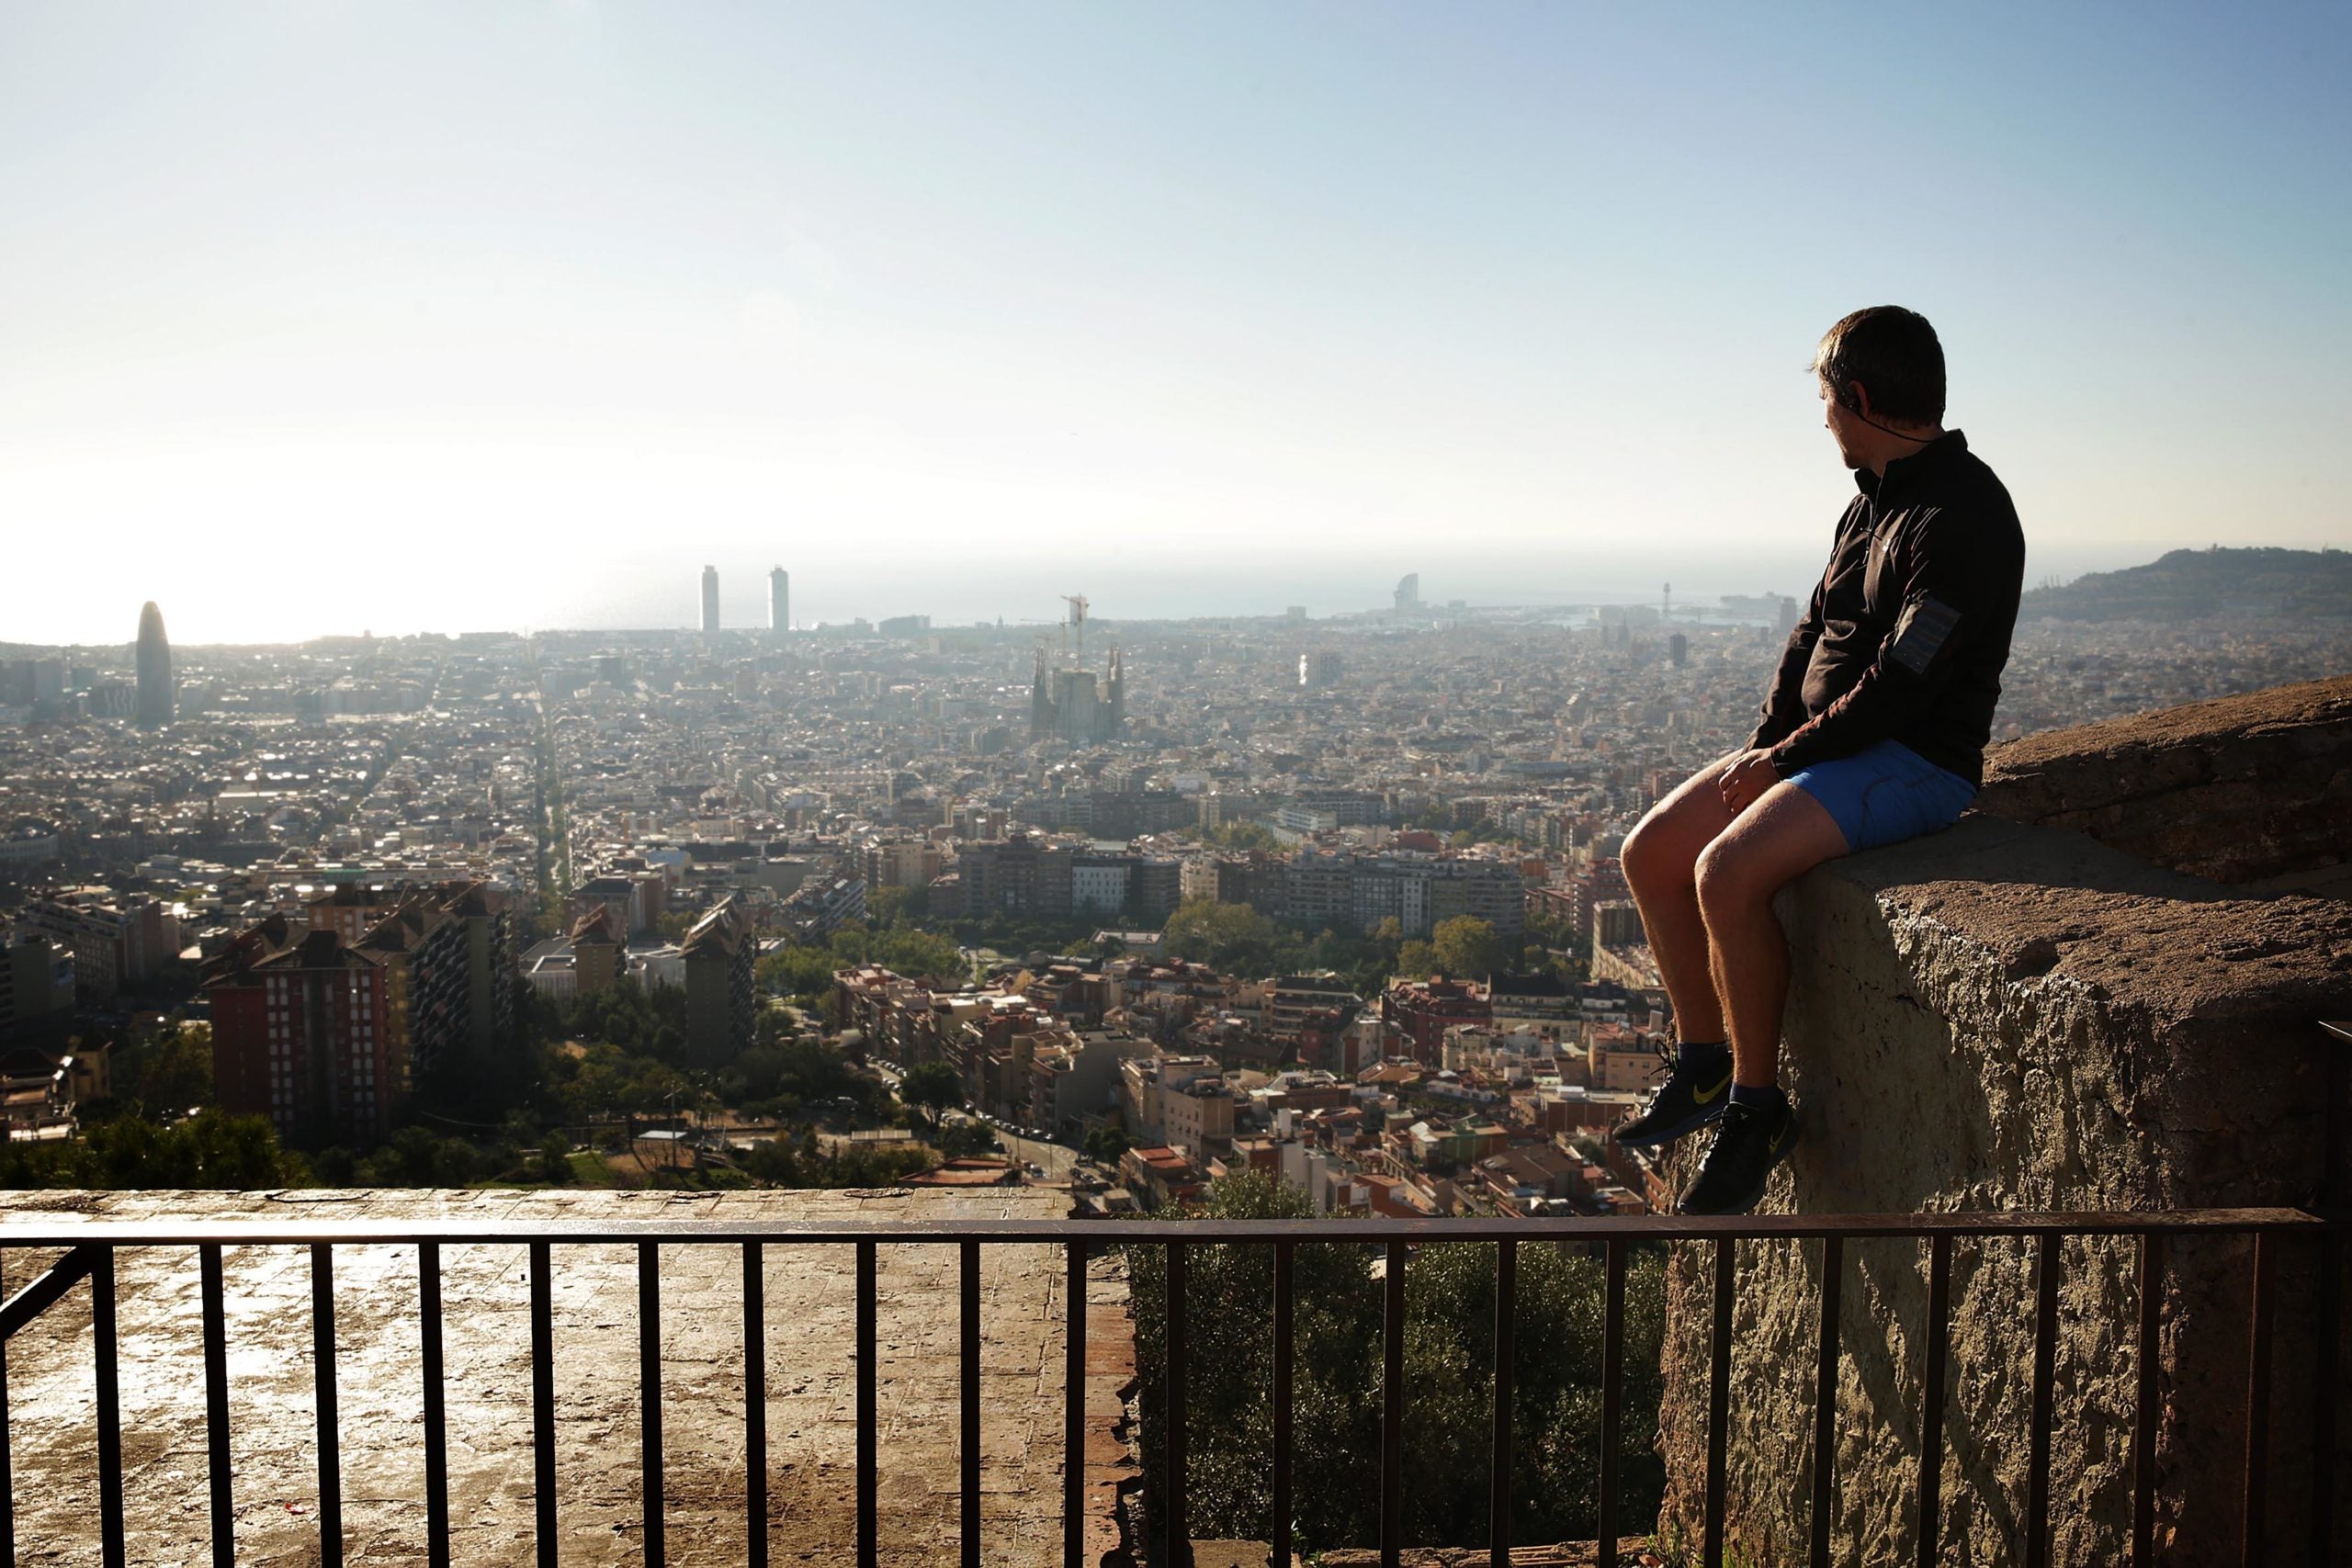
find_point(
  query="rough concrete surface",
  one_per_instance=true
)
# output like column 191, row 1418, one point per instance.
column 2250, row 788
column 812, row 1388
column 1559, row 1554
column 2003, row 1017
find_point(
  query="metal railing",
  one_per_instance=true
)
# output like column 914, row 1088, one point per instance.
column 93, row 1248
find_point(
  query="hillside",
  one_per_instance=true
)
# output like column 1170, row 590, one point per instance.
column 2186, row 584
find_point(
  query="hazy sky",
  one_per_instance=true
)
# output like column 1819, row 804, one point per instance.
column 317, row 316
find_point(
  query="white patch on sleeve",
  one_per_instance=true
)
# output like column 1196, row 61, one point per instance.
column 1920, row 634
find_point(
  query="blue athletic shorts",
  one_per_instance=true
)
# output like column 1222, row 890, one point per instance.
column 1885, row 795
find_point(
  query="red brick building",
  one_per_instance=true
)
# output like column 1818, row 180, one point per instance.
column 300, row 1035
column 1422, row 1010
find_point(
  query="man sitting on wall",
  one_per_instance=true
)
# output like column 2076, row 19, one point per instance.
column 1873, row 732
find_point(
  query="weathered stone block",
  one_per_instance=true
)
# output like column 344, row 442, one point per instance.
column 2005, row 1017
column 2240, row 789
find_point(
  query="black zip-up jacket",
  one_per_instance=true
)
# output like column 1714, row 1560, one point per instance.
column 1910, row 625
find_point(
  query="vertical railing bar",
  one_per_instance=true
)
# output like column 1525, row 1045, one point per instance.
column 2143, row 1437
column 216, row 1404
column 1719, row 1398
column 2045, row 1359
column 969, row 1392
column 7, row 1472
column 1612, row 1395
column 755, row 1406
column 1824, row 1401
column 1499, row 1520
column 2257, row 1399
column 437, row 1426
column 1073, row 1415
column 1932, row 1398
column 1285, row 1283
column 2336, row 1135
column 1392, row 1408
column 868, row 1519
column 330, row 1426
column 104, row 1348
column 2331, row 1326
column 543, row 1403
column 649, row 1397
column 2335, row 1143
column 1179, row 1545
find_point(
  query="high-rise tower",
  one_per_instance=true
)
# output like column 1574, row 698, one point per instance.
column 709, row 600
column 779, row 602
column 154, row 660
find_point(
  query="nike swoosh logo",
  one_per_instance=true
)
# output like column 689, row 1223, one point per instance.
column 1700, row 1098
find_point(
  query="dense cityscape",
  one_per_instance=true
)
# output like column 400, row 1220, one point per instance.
column 1335, row 787
column 1119, row 906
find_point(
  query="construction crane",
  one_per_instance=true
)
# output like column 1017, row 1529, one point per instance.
column 1077, row 603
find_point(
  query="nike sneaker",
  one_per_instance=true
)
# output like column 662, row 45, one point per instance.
column 1691, row 1096
column 1749, row 1141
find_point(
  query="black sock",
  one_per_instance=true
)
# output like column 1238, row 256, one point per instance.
column 1700, row 1053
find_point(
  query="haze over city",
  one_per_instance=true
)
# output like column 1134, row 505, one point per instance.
column 438, row 317
column 1034, row 782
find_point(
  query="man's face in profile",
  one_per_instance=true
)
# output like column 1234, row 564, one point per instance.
column 1834, row 419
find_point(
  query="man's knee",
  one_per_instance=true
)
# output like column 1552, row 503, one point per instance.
column 1654, row 857
column 1779, row 839
column 1637, row 855
column 1728, row 878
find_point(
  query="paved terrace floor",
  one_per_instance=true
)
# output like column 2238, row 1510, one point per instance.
column 486, row 1296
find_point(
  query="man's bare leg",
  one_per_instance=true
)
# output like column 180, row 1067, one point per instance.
column 1780, row 838
column 1661, row 858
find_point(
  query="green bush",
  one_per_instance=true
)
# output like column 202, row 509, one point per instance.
column 1449, row 1359
column 211, row 1150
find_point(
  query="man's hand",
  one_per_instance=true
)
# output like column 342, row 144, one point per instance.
column 1744, row 783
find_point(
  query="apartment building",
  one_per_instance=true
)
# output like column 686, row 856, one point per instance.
column 115, row 942
column 36, row 987
column 1327, row 886
column 722, row 1006
column 1422, row 1010
column 300, row 1035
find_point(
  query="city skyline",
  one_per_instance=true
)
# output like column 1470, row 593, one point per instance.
column 1148, row 292
column 1312, row 699
column 978, row 597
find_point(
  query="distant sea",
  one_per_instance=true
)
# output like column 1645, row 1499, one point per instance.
column 838, row 579
column 1121, row 588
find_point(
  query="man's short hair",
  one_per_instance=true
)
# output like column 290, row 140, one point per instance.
column 1893, row 352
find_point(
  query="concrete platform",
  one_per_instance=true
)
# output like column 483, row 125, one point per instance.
column 1632, row 1552
column 812, row 1388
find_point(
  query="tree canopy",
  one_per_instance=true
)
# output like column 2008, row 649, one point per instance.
column 206, row 1150
column 1234, row 937
column 1468, row 946
column 806, row 969
column 932, row 1088
column 1242, row 835
column 1449, row 1361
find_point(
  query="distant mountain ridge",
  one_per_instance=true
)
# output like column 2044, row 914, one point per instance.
column 2187, row 584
